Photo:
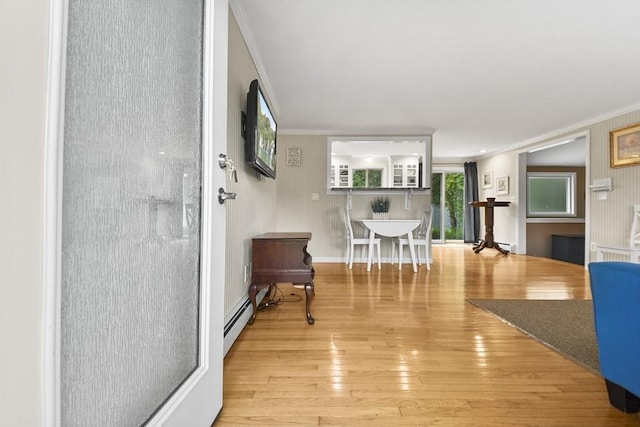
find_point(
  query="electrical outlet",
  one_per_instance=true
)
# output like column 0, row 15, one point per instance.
column 247, row 272
column 594, row 246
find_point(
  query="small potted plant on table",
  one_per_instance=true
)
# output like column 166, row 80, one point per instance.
column 380, row 208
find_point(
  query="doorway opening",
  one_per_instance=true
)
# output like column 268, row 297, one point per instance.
column 447, row 198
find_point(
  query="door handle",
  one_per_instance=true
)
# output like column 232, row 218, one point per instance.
column 225, row 162
column 223, row 195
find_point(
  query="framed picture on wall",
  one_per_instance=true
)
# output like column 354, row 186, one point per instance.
column 487, row 179
column 503, row 185
column 624, row 145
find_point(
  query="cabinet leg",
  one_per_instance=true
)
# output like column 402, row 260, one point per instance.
column 310, row 293
column 253, row 288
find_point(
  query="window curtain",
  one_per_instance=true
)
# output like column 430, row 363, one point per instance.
column 471, row 214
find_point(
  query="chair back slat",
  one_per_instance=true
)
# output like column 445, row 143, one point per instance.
column 424, row 229
column 634, row 240
column 347, row 223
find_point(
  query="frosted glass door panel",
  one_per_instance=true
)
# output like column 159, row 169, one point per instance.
column 131, row 208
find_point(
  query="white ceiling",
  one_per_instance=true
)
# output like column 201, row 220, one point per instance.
column 481, row 74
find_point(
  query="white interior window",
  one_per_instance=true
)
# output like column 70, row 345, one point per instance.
column 551, row 194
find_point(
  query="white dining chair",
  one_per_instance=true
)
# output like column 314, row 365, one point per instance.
column 632, row 250
column 353, row 241
column 421, row 238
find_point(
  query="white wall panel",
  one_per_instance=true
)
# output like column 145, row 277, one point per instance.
column 501, row 165
column 24, row 37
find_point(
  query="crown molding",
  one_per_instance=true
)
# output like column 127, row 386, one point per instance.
column 576, row 128
column 357, row 132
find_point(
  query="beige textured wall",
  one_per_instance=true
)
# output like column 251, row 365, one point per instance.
column 24, row 34
column 297, row 212
column 286, row 204
column 609, row 221
column 505, row 218
column 611, row 218
column 539, row 236
column 254, row 210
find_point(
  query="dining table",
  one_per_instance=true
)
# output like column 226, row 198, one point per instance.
column 391, row 228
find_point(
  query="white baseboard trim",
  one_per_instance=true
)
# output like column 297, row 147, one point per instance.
column 507, row 246
column 235, row 322
column 342, row 260
column 329, row 259
column 357, row 260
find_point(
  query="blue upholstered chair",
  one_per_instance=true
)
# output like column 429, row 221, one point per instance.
column 615, row 287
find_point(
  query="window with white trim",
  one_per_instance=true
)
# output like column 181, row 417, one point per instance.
column 551, row 194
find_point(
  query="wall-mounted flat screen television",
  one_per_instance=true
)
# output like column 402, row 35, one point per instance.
column 260, row 133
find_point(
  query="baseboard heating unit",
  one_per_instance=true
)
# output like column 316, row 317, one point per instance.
column 235, row 322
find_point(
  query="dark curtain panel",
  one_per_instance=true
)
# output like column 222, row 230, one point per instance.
column 471, row 214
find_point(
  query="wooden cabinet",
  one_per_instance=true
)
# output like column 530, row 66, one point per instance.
column 281, row 258
column 405, row 172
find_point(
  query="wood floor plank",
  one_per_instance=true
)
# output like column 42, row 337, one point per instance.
column 397, row 348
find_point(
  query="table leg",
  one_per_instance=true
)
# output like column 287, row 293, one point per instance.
column 479, row 246
column 499, row 249
column 412, row 251
column 372, row 237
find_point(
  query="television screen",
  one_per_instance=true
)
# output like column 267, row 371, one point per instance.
column 261, row 132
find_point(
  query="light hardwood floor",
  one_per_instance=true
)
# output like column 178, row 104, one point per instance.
column 394, row 348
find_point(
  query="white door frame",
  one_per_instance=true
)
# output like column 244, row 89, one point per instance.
column 199, row 398
column 444, row 170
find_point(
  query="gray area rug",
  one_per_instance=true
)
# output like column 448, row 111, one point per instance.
column 566, row 326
